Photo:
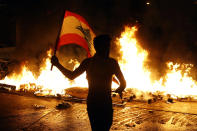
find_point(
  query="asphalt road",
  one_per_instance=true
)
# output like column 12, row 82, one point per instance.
column 23, row 112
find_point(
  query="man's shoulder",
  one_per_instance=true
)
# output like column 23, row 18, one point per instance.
column 86, row 60
column 110, row 60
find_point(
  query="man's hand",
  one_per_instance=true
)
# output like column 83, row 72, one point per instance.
column 54, row 60
column 119, row 91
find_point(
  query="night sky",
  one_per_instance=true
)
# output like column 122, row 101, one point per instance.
column 167, row 28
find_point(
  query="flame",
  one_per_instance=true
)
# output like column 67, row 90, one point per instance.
column 48, row 83
column 176, row 82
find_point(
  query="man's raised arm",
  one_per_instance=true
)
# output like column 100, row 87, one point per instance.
column 70, row 74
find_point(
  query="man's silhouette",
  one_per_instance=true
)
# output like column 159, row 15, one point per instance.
column 99, row 69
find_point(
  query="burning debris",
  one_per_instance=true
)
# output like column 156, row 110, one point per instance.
column 3, row 68
column 185, row 99
column 8, row 87
column 31, row 87
column 140, row 85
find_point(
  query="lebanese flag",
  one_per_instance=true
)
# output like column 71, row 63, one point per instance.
column 76, row 30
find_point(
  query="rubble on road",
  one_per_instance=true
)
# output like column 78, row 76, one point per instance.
column 149, row 101
column 139, row 122
column 63, row 105
column 39, row 106
column 132, row 97
column 73, row 99
column 113, row 94
column 119, row 104
column 130, row 125
column 170, row 100
column 151, row 111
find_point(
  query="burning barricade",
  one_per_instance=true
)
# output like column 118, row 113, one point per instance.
column 140, row 85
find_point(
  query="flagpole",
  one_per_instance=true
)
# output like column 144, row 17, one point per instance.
column 57, row 39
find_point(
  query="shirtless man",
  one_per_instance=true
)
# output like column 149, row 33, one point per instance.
column 99, row 69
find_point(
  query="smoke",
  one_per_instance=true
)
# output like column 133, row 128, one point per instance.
column 36, row 33
column 168, row 33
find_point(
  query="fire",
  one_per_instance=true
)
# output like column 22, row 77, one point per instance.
column 48, row 83
column 131, row 63
column 176, row 82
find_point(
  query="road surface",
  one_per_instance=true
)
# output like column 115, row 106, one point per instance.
column 20, row 112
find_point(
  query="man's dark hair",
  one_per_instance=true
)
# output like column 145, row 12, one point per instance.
column 101, row 42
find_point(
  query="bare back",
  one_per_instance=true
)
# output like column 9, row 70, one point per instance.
column 99, row 75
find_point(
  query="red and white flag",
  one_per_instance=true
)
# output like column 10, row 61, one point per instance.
column 76, row 30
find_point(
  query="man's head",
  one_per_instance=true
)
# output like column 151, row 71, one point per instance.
column 102, row 45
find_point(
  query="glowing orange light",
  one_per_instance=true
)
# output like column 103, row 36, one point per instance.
column 176, row 82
